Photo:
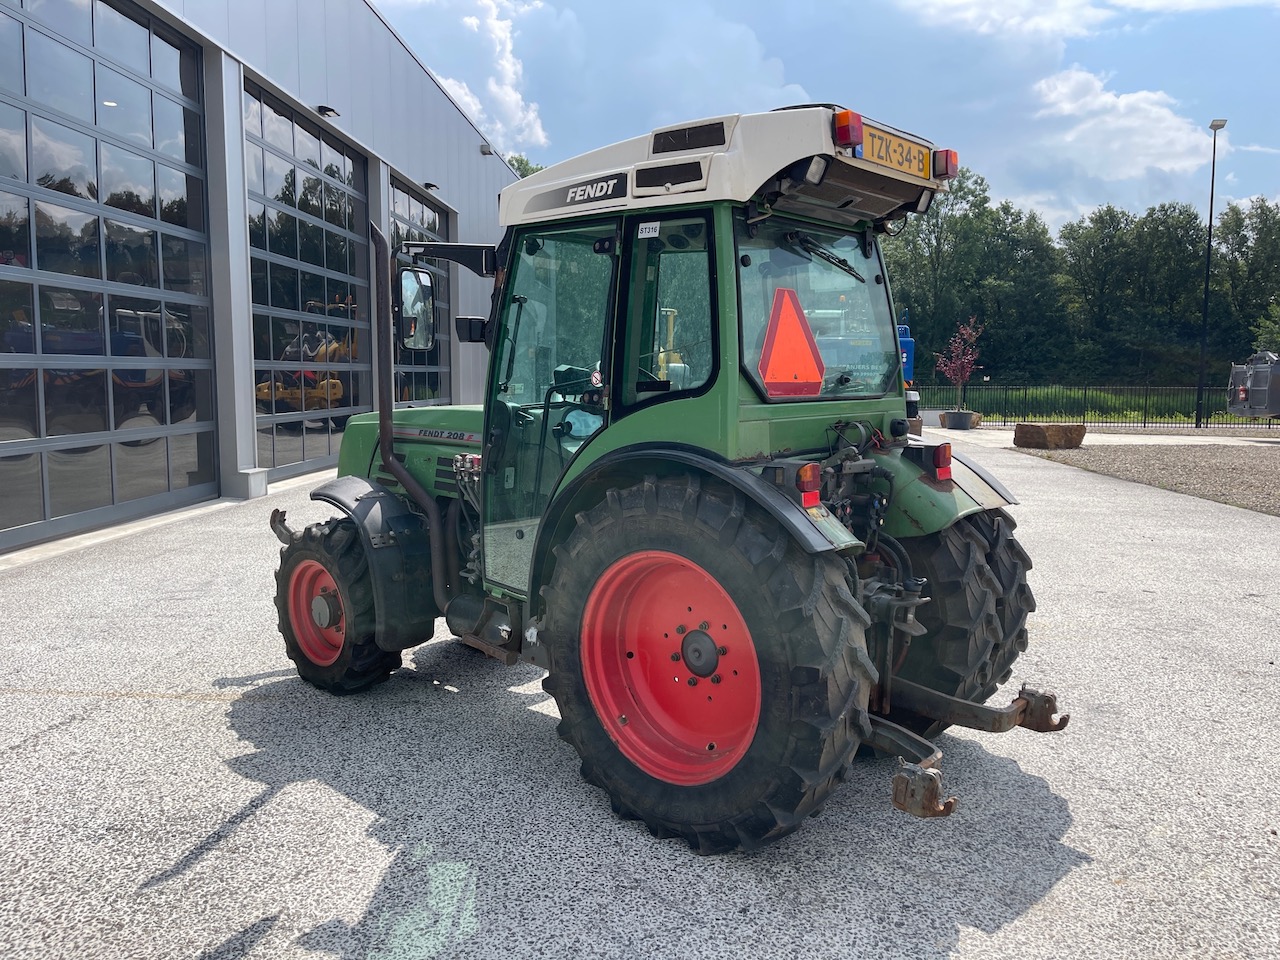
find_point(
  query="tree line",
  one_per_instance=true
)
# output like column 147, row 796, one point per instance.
column 1114, row 298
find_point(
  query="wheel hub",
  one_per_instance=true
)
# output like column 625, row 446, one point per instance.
column 700, row 653
column 326, row 610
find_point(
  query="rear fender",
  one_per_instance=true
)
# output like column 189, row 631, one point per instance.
column 922, row 505
column 816, row 531
column 398, row 551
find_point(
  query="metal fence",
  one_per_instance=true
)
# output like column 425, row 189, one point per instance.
column 1120, row 406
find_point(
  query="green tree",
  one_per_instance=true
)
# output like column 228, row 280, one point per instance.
column 522, row 165
column 1266, row 330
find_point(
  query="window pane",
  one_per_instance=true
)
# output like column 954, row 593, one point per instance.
column 23, row 501
column 308, row 146
column 310, row 198
column 17, row 320
column 336, row 252
column 70, row 322
column 333, row 160
column 63, row 159
column 181, row 198
column 284, row 287
column 15, row 232
column 253, row 168
column 13, row 143
column 59, row 76
column 128, row 181
column 69, row 17
column 135, row 327
column 252, row 115
column 187, row 332
column 282, row 234
column 311, row 243
column 280, row 182
column 177, row 131
column 184, row 265
column 124, row 106
column 131, row 255
column 10, row 54
column 75, row 401
column 258, row 224
column 312, row 292
column 190, row 396
column 120, row 38
column 258, row 280
column 191, row 459
column 335, row 206
column 66, row 241
column 277, row 127
column 174, row 66
column 262, row 337
column 79, row 479
column 137, row 397
column 142, row 467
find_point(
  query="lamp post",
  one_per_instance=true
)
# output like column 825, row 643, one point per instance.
column 1215, row 126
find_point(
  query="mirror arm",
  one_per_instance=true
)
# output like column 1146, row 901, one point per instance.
column 481, row 259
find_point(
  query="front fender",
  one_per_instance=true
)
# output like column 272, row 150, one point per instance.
column 398, row 551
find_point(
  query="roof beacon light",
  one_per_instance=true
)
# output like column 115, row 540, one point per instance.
column 946, row 164
column 848, row 130
column 809, row 483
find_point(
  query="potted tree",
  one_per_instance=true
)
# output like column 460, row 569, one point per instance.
column 957, row 364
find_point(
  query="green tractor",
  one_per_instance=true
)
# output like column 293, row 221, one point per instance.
column 690, row 494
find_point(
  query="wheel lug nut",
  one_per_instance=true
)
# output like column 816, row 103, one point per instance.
column 716, row 678
column 675, row 658
column 704, row 625
column 693, row 681
column 680, row 629
column 722, row 650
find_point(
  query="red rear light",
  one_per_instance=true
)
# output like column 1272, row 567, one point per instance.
column 942, row 461
column 809, row 478
column 848, row 128
column 946, row 164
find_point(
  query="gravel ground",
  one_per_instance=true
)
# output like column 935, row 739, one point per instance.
column 1237, row 475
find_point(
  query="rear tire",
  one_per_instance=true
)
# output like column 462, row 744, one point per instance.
column 669, row 582
column 324, row 597
column 977, row 619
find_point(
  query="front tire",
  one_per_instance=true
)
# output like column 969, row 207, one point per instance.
column 324, row 597
column 712, row 676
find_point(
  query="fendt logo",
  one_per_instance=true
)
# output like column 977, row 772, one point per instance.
column 612, row 186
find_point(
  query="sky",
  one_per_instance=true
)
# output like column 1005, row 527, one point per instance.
column 1061, row 105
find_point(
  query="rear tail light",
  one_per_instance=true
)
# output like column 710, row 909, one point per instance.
column 946, row 164
column 809, row 483
column 942, row 461
column 848, row 128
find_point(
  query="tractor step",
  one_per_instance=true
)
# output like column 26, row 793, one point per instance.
column 1033, row 709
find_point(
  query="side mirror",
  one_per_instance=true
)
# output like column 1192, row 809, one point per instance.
column 417, row 310
column 470, row 329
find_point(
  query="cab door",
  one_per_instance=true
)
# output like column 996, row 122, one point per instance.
column 547, row 387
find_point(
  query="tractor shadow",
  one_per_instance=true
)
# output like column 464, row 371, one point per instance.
column 496, row 844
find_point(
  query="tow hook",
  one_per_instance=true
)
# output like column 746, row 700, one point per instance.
column 284, row 533
column 1038, row 714
column 917, row 783
column 917, row 790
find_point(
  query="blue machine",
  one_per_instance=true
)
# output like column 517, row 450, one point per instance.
column 908, row 347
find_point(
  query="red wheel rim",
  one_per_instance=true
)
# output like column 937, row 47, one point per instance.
column 311, row 587
column 670, row 668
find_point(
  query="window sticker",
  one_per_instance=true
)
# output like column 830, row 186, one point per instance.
column 646, row 230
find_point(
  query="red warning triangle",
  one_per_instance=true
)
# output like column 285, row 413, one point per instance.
column 790, row 363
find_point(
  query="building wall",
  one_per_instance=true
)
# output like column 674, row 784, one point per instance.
column 304, row 54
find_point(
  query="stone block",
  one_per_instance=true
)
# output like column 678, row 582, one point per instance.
column 1048, row 436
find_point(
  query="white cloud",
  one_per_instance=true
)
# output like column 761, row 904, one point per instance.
column 1119, row 136
column 1056, row 19
column 1255, row 148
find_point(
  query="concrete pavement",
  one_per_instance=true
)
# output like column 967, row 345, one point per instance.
column 171, row 789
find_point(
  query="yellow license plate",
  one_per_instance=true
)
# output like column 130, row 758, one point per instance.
column 896, row 153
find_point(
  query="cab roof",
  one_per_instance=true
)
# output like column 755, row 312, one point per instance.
column 787, row 160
